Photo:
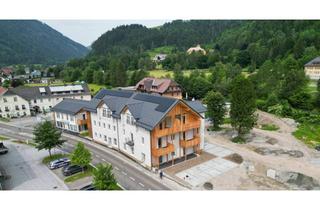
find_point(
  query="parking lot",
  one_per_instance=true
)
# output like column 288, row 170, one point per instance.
column 25, row 170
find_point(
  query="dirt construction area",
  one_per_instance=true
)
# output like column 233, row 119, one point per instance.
column 269, row 160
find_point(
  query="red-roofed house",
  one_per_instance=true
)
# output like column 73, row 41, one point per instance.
column 6, row 71
column 164, row 87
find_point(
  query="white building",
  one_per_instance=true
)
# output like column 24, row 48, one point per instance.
column 152, row 130
column 43, row 98
column 12, row 105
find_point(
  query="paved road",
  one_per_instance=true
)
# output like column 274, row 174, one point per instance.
column 128, row 176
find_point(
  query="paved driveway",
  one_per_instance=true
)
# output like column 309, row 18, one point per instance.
column 203, row 172
column 23, row 165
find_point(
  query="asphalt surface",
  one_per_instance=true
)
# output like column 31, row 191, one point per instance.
column 128, row 176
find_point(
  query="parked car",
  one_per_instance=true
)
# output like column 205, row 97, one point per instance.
column 88, row 187
column 317, row 147
column 3, row 149
column 71, row 169
column 59, row 163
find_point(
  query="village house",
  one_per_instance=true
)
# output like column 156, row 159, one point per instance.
column 159, row 57
column 163, row 87
column 312, row 69
column 152, row 130
column 40, row 99
column 196, row 49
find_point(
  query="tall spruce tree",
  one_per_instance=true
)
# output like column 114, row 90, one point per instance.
column 243, row 105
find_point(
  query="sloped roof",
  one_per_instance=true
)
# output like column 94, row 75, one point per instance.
column 314, row 62
column 161, row 84
column 197, row 106
column 30, row 93
column 73, row 106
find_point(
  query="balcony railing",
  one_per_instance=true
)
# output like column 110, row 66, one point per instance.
column 81, row 121
column 190, row 143
column 163, row 151
column 178, row 128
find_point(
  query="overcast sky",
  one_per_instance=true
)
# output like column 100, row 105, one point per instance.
column 87, row 31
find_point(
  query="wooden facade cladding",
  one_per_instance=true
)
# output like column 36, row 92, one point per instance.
column 81, row 121
column 182, row 119
column 190, row 143
column 89, row 125
column 163, row 151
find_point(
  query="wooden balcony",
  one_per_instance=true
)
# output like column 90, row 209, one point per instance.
column 190, row 143
column 163, row 151
column 81, row 122
column 177, row 127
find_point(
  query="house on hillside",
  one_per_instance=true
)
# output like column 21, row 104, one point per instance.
column 312, row 69
column 6, row 72
column 159, row 57
column 163, row 87
column 154, row 131
column 196, row 49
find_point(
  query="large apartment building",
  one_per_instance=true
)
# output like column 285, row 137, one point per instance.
column 312, row 69
column 22, row 101
column 153, row 130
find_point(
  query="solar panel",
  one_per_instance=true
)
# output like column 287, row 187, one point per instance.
column 66, row 88
column 104, row 92
column 42, row 90
column 163, row 102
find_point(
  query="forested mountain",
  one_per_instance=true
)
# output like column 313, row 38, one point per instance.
column 33, row 42
column 180, row 34
column 254, row 42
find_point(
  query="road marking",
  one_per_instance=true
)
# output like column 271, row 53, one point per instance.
column 104, row 160
column 132, row 178
column 116, row 168
column 97, row 156
column 124, row 173
column 142, row 185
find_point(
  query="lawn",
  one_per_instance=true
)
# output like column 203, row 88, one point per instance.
column 79, row 175
column 312, row 88
column 309, row 134
column 48, row 159
column 269, row 127
column 4, row 119
column 29, row 143
column 160, row 50
column 2, row 138
column 163, row 73
column 94, row 88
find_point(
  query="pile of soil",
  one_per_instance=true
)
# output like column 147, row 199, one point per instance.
column 236, row 158
column 277, row 152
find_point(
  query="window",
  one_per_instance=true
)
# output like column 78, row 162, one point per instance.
column 71, row 118
column 58, row 115
column 67, row 117
column 15, row 99
column 183, row 119
column 124, row 131
column 114, row 127
column 104, row 112
column 95, row 134
column 160, row 126
column 23, row 106
column 105, row 138
column 142, row 140
column 99, row 124
column 17, row 107
column 167, row 122
column 109, row 126
column 108, row 113
column 94, row 122
column 6, row 108
column 172, row 137
column 35, row 101
column 5, row 100
column 57, row 99
column 109, row 139
column 41, row 100
column 104, row 125
column 100, row 135
column 115, row 141
column 143, row 157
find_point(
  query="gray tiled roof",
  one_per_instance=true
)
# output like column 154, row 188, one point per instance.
column 30, row 93
column 73, row 106
column 148, row 110
column 313, row 62
column 197, row 106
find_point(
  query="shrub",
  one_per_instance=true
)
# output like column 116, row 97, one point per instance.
column 238, row 140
